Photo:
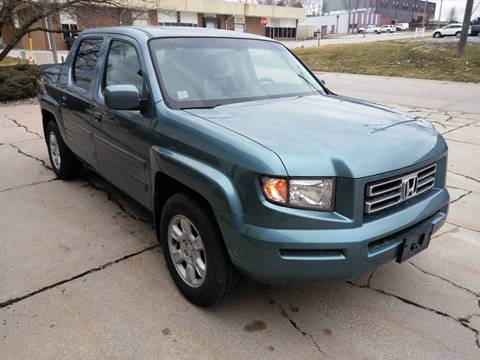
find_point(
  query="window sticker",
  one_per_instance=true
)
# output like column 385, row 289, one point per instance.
column 182, row 94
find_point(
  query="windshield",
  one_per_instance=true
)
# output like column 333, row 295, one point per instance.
column 207, row 72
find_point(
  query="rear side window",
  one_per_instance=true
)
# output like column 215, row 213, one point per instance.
column 86, row 61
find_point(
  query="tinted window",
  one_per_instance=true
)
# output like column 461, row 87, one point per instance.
column 86, row 61
column 123, row 66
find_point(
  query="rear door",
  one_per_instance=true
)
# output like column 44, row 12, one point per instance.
column 76, row 99
column 122, row 136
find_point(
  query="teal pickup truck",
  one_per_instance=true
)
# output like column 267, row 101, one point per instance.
column 250, row 165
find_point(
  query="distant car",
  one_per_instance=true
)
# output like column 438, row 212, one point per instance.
column 475, row 30
column 450, row 30
column 402, row 26
column 388, row 28
column 374, row 29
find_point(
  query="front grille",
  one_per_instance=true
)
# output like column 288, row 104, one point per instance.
column 381, row 195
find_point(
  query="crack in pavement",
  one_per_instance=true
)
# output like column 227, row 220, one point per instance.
column 461, row 287
column 465, row 176
column 20, row 151
column 462, row 321
column 28, row 185
column 114, row 200
column 294, row 323
column 462, row 226
column 461, row 197
column 457, row 128
column 22, row 126
column 462, row 141
column 75, row 277
column 110, row 196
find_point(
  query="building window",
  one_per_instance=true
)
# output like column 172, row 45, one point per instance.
column 140, row 18
column 68, row 24
column 167, row 18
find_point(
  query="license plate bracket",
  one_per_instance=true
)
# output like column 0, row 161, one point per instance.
column 414, row 241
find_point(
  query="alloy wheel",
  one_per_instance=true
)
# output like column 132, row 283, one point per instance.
column 187, row 250
column 54, row 150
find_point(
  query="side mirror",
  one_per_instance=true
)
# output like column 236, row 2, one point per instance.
column 122, row 97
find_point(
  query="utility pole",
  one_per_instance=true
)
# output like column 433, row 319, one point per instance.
column 51, row 40
column 424, row 13
column 466, row 23
column 440, row 13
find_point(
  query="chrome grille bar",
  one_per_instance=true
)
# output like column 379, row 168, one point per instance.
column 381, row 195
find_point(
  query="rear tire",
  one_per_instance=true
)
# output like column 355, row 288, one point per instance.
column 63, row 161
column 192, row 244
column 458, row 34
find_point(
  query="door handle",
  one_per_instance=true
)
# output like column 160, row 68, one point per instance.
column 97, row 116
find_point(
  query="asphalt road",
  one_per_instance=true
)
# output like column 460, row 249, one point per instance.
column 81, row 275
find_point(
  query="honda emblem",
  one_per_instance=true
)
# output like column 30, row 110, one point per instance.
column 409, row 186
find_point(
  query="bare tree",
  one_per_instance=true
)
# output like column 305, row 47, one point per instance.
column 466, row 23
column 24, row 16
column 452, row 15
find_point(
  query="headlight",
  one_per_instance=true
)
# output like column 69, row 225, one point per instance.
column 314, row 194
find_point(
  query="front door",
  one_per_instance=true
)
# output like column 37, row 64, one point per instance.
column 76, row 100
column 122, row 136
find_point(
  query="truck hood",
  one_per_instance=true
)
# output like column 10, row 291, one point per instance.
column 331, row 135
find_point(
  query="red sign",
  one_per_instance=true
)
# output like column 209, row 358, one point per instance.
column 263, row 21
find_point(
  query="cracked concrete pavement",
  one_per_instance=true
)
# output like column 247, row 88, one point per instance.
column 81, row 274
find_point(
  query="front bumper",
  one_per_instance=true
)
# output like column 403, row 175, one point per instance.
column 289, row 255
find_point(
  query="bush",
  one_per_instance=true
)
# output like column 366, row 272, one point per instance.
column 18, row 82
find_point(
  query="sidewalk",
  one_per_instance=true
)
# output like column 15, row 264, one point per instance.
column 433, row 94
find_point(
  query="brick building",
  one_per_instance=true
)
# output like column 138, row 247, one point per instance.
column 281, row 21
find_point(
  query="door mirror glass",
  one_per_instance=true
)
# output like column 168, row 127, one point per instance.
column 122, row 97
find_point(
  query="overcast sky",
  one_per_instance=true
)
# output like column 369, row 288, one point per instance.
column 460, row 7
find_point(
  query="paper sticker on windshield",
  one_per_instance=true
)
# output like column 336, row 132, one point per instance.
column 183, row 94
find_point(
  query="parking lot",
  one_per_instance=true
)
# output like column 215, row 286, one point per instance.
column 82, row 276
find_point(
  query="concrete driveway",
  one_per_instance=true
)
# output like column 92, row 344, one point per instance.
column 82, row 277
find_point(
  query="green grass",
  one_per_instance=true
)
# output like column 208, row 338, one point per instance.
column 412, row 59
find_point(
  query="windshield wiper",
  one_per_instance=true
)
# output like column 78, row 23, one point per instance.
column 200, row 107
column 301, row 76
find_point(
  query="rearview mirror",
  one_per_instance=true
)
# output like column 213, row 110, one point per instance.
column 122, row 97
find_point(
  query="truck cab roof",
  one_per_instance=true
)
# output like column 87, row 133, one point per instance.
column 170, row 31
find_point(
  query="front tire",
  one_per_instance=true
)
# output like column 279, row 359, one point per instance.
column 458, row 34
column 63, row 161
column 195, row 253
column 437, row 35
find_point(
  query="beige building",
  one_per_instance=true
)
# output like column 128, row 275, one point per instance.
column 272, row 21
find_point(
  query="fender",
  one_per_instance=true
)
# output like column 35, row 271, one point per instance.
column 202, row 178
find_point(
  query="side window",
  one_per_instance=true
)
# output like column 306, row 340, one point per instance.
column 86, row 61
column 123, row 66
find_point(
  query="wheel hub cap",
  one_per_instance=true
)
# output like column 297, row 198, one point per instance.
column 187, row 250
